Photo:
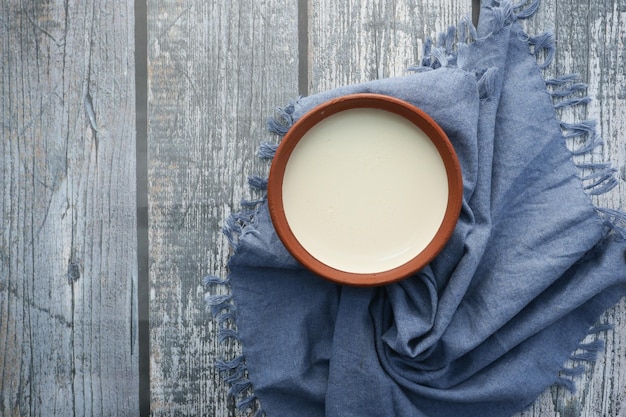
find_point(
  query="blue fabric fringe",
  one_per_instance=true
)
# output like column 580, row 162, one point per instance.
column 233, row 371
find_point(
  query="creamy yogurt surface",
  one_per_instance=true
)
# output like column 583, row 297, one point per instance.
column 365, row 191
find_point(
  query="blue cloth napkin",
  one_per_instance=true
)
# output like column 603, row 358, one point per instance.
column 490, row 323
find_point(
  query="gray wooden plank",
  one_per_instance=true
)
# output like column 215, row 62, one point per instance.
column 67, row 241
column 217, row 70
column 607, row 81
column 354, row 41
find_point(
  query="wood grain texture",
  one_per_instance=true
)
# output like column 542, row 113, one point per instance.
column 217, row 70
column 67, row 203
column 357, row 41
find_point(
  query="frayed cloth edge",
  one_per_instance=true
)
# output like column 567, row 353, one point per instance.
column 585, row 355
column 234, row 371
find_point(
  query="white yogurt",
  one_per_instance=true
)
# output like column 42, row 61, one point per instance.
column 365, row 191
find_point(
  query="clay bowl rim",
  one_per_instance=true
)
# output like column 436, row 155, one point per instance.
column 373, row 101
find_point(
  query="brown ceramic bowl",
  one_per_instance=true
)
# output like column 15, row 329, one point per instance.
column 365, row 190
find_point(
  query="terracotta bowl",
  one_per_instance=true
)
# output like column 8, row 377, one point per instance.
column 365, row 190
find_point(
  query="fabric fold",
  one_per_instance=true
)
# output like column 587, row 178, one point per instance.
column 488, row 325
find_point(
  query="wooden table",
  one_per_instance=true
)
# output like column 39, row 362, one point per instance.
column 128, row 131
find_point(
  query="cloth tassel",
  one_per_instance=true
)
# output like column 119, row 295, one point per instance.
column 486, row 83
column 237, row 225
column 236, row 375
column 426, row 49
column 283, row 121
column 593, row 166
column 232, row 230
column 450, row 38
column 441, row 40
column 525, row 10
column 223, row 365
column 602, row 186
column 591, row 349
column 595, row 346
column 267, row 150
column 616, row 221
column 566, row 383
column 617, row 216
column 544, row 43
column 589, row 145
column 224, row 317
column 257, row 182
column 218, row 303
column 603, row 327
column 599, row 175
column 585, row 357
column 466, row 31
column 572, row 102
column 238, row 387
column 562, row 80
column 585, row 127
column 246, row 403
column 463, row 30
column 212, row 279
column 462, row 55
column 501, row 16
column 575, row 371
column 226, row 334
column 569, row 90
column 439, row 58
column 275, row 126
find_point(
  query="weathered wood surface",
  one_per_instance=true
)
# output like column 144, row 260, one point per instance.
column 217, row 70
column 68, row 343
